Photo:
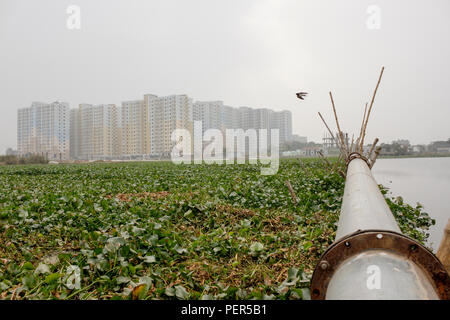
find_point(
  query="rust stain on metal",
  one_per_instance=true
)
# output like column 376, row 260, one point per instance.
column 362, row 241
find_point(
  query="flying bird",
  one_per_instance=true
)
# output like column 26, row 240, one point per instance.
column 301, row 95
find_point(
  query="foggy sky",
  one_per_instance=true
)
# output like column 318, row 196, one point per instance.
column 254, row 53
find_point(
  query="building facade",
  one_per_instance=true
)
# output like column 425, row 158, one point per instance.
column 165, row 114
column 211, row 113
column 44, row 129
column 139, row 129
column 75, row 143
column 215, row 115
column 95, row 132
column 282, row 121
column 135, row 129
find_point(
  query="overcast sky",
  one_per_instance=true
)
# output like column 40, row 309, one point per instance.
column 254, row 53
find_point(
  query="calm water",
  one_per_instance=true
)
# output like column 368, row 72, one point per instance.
column 423, row 180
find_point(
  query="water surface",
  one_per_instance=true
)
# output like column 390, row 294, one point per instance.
column 423, row 180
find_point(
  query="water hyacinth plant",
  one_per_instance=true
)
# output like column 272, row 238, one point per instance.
column 164, row 231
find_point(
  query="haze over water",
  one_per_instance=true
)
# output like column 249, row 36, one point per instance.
column 423, row 180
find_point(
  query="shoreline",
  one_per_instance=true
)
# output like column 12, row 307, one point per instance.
column 415, row 156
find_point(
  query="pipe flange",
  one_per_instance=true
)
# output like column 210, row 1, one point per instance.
column 361, row 241
column 356, row 155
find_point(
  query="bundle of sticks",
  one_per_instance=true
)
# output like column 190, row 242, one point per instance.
column 348, row 151
column 356, row 148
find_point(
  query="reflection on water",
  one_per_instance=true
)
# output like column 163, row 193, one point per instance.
column 423, row 180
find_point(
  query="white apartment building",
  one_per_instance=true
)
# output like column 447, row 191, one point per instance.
column 44, row 129
column 246, row 117
column 141, row 129
column 261, row 118
column 147, row 125
column 231, row 117
column 95, row 132
column 165, row 114
column 75, row 143
column 214, row 114
column 282, row 120
column 211, row 113
column 135, row 129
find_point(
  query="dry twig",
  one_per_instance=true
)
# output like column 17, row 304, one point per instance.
column 370, row 109
column 291, row 191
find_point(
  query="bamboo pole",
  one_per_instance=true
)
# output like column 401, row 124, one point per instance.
column 370, row 108
column 376, row 154
column 346, row 143
column 443, row 252
column 372, row 148
column 341, row 136
column 351, row 147
column 362, row 127
column 324, row 122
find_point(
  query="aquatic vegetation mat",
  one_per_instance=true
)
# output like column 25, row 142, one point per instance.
column 156, row 230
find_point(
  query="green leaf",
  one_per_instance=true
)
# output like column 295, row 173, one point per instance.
column 256, row 248
column 28, row 266
column 23, row 213
column 52, row 278
column 122, row 279
column 170, row 291
column 292, row 274
column 146, row 280
column 42, row 269
column 188, row 214
column 29, row 281
column 179, row 249
column 307, row 245
column 181, row 292
column 149, row 259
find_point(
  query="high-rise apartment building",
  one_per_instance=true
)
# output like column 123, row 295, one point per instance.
column 135, row 128
column 261, row 118
column 44, row 129
column 140, row 129
column 214, row 114
column 75, row 137
column 247, row 117
column 165, row 114
column 95, row 132
column 211, row 113
column 231, row 117
column 282, row 121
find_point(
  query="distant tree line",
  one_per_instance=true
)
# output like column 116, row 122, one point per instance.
column 399, row 147
column 297, row 145
column 404, row 148
column 31, row 159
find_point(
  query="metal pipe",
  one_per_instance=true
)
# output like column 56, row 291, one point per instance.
column 399, row 279
column 370, row 258
column 363, row 205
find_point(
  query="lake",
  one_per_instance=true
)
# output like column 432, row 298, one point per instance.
column 423, row 180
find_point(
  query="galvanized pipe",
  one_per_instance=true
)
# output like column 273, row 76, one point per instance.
column 399, row 279
column 372, row 272
column 363, row 205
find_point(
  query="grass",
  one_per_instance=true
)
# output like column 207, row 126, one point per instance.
column 163, row 231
